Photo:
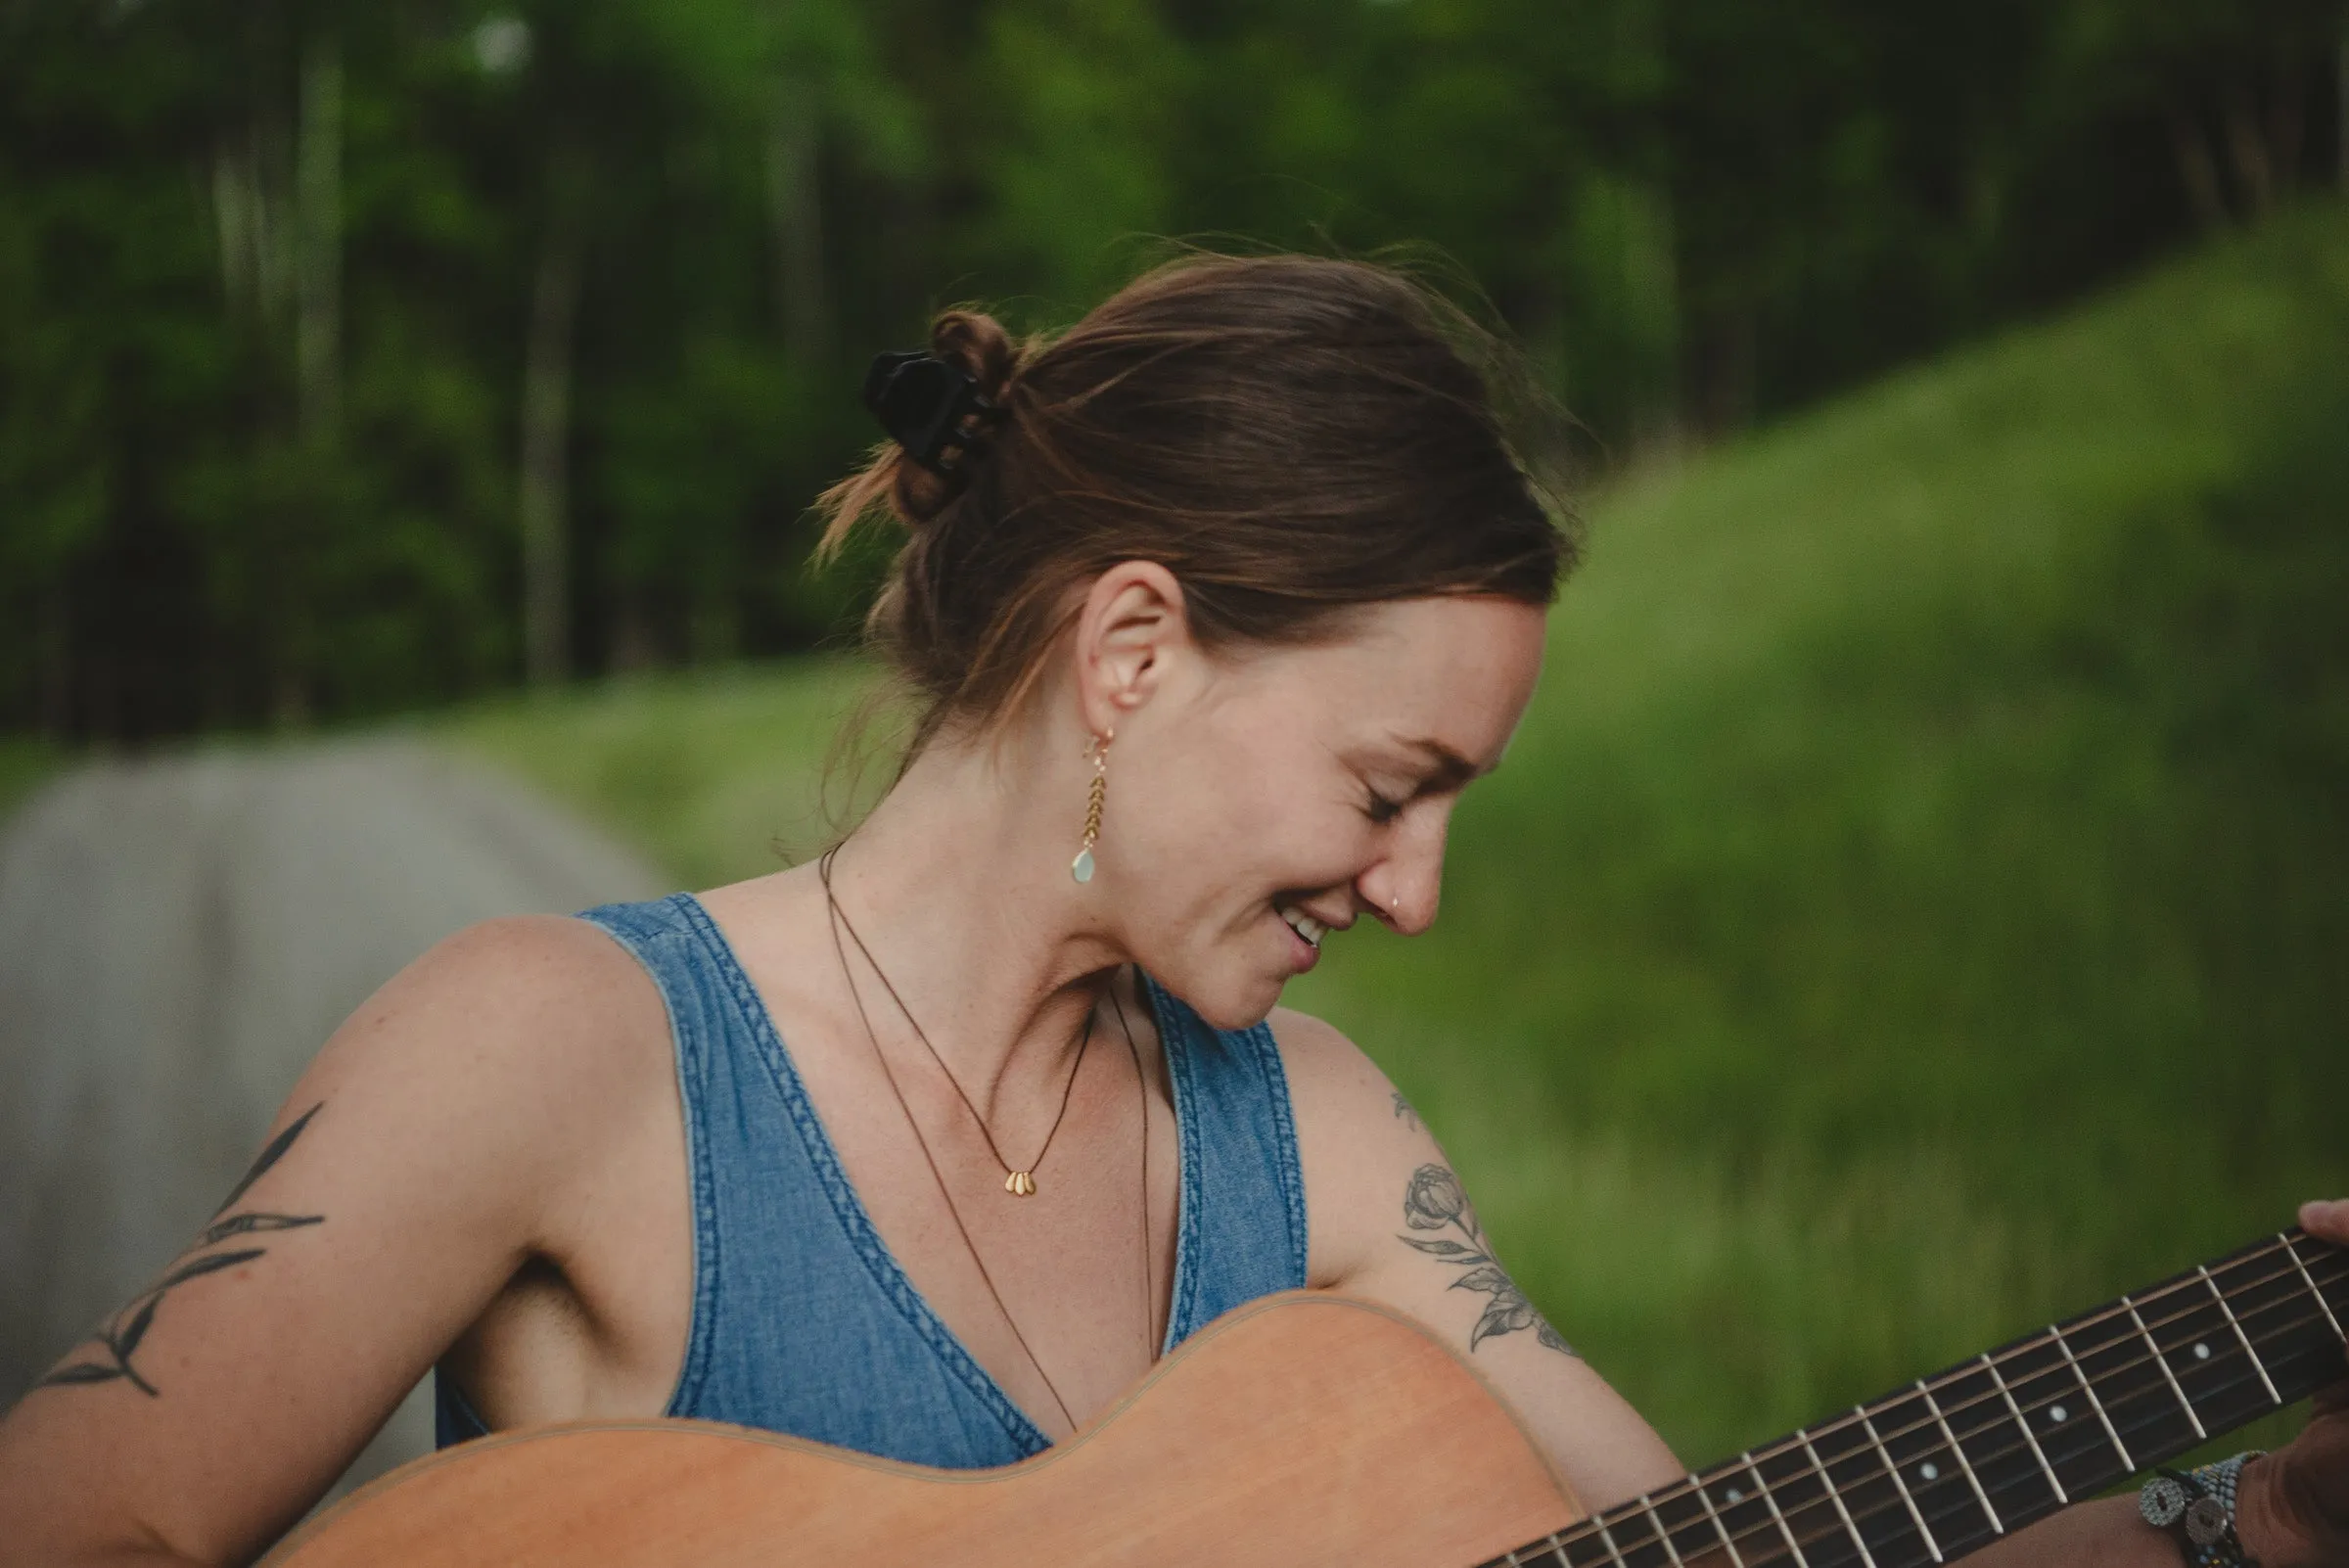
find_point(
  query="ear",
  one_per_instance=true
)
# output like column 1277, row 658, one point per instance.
column 1131, row 629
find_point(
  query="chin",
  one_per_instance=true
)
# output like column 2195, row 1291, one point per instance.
column 1226, row 1002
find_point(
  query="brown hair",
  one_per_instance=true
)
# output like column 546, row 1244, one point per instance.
column 1290, row 436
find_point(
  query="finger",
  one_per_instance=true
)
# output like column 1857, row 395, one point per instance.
column 2328, row 1219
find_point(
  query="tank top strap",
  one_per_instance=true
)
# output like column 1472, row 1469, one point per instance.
column 1241, row 1232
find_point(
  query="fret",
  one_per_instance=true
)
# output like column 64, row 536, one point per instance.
column 1792, row 1544
column 1907, row 1499
column 2088, row 1391
column 1997, row 1445
column 1924, row 1457
column 1727, row 1542
column 2045, row 1389
column 1867, row 1557
column 1640, row 1552
column 2024, row 1422
column 1997, row 1525
column 1806, row 1475
column 2270, row 1300
column 1552, row 1547
column 2193, row 1330
column 1586, row 1546
column 2236, row 1323
column 2292, row 1252
column 1662, row 1534
column 1862, row 1477
column 1683, row 1519
column 2149, row 1419
column 1743, row 1504
column 2170, row 1376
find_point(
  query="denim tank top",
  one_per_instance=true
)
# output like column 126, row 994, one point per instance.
column 803, row 1320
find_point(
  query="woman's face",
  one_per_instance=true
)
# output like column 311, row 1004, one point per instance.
column 1265, row 800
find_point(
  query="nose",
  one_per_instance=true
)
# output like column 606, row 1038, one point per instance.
column 1404, row 888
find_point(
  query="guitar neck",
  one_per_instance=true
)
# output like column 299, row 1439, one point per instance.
column 1955, row 1461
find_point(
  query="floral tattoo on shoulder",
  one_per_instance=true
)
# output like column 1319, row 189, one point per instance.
column 1435, row 1202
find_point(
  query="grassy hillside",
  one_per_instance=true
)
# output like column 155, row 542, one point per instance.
column 1916, row 905
column 1913, row 907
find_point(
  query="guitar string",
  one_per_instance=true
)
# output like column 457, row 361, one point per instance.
column 1655, row 1532
column 1967, row 1512
column 1633, row 1510
column 1636, row 1508
column 1769, row 1531
column 1844, row 1422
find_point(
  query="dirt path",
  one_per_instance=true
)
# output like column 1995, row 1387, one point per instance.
column 176, row 938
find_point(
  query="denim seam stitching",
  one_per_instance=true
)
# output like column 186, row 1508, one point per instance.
column 687, row 1051
column 885, row 1271
column 1175, row 1046
column 1286, row 1163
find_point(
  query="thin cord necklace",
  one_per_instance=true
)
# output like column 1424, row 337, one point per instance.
column 1018, row 1181
column 839, row 919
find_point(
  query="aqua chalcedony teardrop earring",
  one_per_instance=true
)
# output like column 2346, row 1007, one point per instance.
column 1098, row 749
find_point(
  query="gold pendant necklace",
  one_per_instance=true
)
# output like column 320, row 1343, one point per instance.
column 1150, row 1345
column 1020, row 1184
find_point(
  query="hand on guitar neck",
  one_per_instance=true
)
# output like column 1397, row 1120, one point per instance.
column 2294, row 1507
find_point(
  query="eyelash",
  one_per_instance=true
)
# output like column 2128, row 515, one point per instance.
column 1381, row 809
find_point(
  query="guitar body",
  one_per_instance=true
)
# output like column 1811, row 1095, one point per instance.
column 1301, row 1429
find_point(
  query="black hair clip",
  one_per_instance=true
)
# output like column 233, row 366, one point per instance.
column 927, row 404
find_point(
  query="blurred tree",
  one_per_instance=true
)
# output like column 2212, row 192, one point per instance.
column 353, row 356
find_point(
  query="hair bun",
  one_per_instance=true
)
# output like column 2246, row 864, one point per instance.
column 978, row 343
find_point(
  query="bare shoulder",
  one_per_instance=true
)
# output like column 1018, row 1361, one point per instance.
column 1357, row 1139
column 1321, row 1060
column 519, row 995
column 521, row 1040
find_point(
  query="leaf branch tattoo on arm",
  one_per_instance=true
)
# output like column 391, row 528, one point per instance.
column 1436, row 1201
column 119, row 1338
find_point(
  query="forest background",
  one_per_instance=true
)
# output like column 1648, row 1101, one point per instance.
column 1913, row 908
column 357, row 357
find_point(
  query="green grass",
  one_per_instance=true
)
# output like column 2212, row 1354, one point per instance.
column 1914, row 905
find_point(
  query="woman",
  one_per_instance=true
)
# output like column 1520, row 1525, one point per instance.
column 932, row 1147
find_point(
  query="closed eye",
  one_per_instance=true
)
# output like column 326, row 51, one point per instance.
column 1382, row 808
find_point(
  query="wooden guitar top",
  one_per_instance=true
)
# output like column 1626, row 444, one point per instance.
column 1304, row 1428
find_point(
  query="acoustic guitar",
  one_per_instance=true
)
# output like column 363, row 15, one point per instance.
column 1310, row 1428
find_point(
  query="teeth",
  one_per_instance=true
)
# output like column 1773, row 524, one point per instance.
column 1306, row 926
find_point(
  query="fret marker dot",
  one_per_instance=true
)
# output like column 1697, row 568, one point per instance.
column 2056, row 1417
column 1930, row 1471
column 2201, row 1352
column 1736, row 1496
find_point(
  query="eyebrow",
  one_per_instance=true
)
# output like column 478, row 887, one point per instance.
column 1452, row 768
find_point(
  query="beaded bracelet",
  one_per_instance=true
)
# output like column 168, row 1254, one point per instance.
column 2197, row 1509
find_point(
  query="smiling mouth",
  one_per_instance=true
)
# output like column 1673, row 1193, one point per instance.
column 1305, row 925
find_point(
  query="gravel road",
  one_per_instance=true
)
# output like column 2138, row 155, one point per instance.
column 176, row 938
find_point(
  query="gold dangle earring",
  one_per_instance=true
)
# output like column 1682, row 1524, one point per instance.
column 1097, row 747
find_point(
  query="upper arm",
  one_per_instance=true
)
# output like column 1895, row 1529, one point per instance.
column 1391, row 1224
column 402, row 1183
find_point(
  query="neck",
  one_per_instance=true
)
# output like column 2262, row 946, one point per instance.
column 958, row 884
column 1956, row 1460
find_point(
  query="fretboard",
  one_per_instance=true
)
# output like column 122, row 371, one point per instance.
column 1955, row 1461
